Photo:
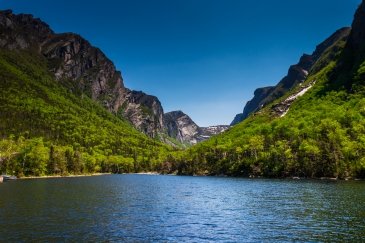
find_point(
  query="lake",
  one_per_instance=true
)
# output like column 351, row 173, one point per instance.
column 150, row 208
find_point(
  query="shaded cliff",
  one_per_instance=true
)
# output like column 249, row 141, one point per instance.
column 357, row 36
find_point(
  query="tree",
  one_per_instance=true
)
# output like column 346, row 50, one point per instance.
column 35, row 158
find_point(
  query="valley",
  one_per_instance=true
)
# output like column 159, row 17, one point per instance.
column 65, row 110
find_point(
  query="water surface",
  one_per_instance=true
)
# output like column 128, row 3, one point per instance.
column 145, row 208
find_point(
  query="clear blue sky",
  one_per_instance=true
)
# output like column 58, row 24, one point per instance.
column 204, row 57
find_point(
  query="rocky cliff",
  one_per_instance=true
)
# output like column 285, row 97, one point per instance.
column 144, row 111
column 22, row 31
column 181, row 127
column 296, row 74
column 82, row 68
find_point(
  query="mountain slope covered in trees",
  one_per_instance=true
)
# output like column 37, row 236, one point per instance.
column 46, row 129
column 83, row 69
column 316, row 129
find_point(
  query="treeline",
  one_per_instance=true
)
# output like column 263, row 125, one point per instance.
column 35, row 157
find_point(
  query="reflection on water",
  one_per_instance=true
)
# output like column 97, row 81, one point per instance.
column 173, row 208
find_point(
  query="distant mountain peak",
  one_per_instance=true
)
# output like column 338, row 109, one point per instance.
column 181, row 127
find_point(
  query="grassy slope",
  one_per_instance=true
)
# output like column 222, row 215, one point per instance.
column 33, row 105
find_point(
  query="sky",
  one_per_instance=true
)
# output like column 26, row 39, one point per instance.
column 204, row 57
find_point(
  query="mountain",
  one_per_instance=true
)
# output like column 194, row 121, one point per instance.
column 296, row 74
column 144, row 111
column 86, row 71
column 313, row 126
column 83, row 69
column 181, row 127
column 64, row 108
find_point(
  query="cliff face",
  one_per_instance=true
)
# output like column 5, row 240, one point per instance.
column 22, row 31
column 357, row 36
column 181, row 127
column 296, row 75
column 82, row 68
column 144, row 111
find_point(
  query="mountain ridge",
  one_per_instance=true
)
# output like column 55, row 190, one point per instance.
column 296, row 74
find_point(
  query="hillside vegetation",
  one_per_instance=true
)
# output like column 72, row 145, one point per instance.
column 322, row 135
column 46, row 129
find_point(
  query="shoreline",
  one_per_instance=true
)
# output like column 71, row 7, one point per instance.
column 143, row 173
column 84, row 175
column 61, row 176
column 173, row 174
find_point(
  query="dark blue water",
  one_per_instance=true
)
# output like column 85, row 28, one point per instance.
column 145, row 208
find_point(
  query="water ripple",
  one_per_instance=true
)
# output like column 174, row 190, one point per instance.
column 142, row 208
